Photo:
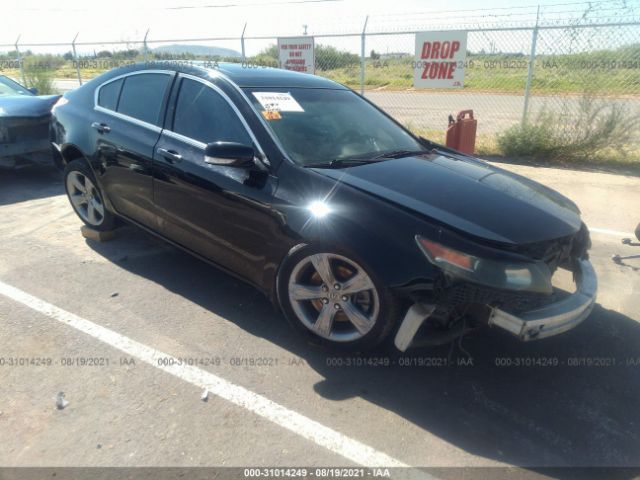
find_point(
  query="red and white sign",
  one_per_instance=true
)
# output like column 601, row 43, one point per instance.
column 440, row 59
column 297, row 54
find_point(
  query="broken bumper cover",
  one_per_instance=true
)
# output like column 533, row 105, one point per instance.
column 542, row 322
column 557, row 317
column 35, row 151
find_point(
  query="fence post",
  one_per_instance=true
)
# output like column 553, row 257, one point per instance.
column 75, row 58
column 532, row 60
column 244, row 58
column 362, row 41
column 24, row 80
column 144, row 46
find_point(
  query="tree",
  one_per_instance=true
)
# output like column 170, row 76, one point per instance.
column 328, row 57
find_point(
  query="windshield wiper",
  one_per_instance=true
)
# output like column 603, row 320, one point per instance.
column 400, row 154
column 360, row 160
column 342, row 162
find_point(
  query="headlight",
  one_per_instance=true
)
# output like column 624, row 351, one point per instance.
column 510, row 275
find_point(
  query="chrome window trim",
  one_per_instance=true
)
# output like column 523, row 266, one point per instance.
column 135, row 121
column 218, row 90
column 177, row 136
column 122, row 116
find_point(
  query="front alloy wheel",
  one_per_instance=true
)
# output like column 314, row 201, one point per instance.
column 336, row 299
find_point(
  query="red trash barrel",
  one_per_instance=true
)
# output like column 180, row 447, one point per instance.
column 461, row 134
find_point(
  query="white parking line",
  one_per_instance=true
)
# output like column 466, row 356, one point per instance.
column 305, row 427
column 615, row 233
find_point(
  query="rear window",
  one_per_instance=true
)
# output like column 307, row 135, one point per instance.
column 109, row 93
column 142, row 96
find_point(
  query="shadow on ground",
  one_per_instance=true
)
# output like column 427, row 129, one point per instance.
column 575, row 402
column 29, row 183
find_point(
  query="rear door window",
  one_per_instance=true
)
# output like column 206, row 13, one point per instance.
column 109, row 93
column 142, row 96
column 204, row 115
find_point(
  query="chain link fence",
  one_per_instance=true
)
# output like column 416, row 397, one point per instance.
column 561, row 75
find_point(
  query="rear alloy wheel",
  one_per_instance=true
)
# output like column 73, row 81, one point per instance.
column 335, row 298
column 85, row 197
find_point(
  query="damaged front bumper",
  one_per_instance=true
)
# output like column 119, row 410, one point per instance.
column 542, row 322
column 27, row 151
column 557, row 317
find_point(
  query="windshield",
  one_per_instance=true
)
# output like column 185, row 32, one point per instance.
column 10, row 88
column 319, row 125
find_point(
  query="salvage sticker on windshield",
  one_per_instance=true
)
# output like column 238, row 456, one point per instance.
column 278, row 102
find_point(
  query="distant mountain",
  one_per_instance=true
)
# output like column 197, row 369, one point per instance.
column 198, row 50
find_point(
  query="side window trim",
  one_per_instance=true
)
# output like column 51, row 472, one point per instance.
column 96, row 96
column 169, row 125
column 172, row 118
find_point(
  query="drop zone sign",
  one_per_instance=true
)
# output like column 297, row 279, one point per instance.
column 297, row 54
column 440, row 59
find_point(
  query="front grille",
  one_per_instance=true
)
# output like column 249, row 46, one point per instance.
column 515, row 302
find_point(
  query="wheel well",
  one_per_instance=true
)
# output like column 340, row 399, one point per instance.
column 70, row 153
column 274, row 294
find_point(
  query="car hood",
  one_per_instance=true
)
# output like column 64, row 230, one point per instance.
column 469, row 195
column 24, row 106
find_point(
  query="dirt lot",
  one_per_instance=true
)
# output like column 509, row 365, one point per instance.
column 133, row 302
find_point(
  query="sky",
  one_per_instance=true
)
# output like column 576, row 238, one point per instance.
column 43, row 21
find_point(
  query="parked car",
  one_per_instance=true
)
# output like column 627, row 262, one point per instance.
column 356, row 228
column 24, row 125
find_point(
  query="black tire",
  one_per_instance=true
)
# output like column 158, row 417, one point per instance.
column 388, row 312
column 106, row 220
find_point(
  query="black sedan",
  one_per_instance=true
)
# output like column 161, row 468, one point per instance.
column 357, row 229
column 24, row 125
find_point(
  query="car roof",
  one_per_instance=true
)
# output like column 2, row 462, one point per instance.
column 243, row 75
column 257, row 76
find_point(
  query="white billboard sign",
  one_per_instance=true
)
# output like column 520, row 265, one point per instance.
column 440, row 59
column 297, row 54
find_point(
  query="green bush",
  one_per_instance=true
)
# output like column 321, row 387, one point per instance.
column 529, row 139
column 598, row 129
column 327, row 57
column 39, row 78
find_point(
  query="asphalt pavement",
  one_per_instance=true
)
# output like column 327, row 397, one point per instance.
column 105, row 322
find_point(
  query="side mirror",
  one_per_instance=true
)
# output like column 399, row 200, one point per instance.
column 33, row 90
column 230, row 154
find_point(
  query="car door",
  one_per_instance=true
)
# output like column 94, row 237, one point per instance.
column 219, row 212
column 128, row 118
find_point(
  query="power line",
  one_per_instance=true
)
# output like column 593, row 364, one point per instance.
column 231, row 5
column 186, row 7
column 623, row 5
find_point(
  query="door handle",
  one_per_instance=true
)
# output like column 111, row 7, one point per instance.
column 170, row 155
column 101, row 127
